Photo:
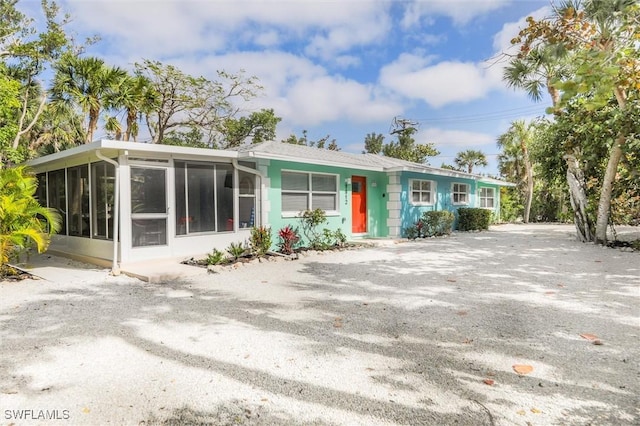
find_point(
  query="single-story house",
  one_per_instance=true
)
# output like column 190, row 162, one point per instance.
column 174, row 201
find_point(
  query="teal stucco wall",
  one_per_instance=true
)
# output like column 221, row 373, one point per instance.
column 443, row 201
column 376, row 198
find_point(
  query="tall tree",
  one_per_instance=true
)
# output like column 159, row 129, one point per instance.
column 184, row 101
column 405, row 148
column 133, row 96
column 87, row 83
column 30, row 49
column 373, row 143
column 259, row 126
column 470, row 158
column 515, row 161
column 601, row 38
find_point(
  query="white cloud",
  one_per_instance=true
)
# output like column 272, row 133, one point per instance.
column 458, row 139
column 299, row 90
column 460, row 11
column 171, row 27
column 439, row 84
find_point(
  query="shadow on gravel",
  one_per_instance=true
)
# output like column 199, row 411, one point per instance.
column 436, row 318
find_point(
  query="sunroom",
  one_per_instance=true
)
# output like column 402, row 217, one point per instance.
column 169, row 201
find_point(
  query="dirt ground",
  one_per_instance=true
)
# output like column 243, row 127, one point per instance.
column 520, row 325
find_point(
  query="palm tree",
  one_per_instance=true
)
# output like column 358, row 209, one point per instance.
column 470, row 158
column 135, row 96
column 534, row 72
column 23, row 221
column 60, row 127
column 86, row 83
column 515, row 162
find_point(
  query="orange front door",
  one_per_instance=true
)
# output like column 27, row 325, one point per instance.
column 358, row 204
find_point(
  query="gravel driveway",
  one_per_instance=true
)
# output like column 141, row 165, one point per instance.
column 419, row 333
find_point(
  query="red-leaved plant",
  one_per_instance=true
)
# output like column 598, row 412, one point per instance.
column 288, row 239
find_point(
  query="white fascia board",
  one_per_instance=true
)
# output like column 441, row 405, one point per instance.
column 134, row 149
column 268, row 156
column 451, row 173
column 434, row 171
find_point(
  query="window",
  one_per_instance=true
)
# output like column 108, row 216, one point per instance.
column 422, row 191
column 460, row 193
column 102, row 199
column 78, row 193
column 247, row 199
column 309, row 191
column 204, row 197
column 487, row 198
column 57, row 196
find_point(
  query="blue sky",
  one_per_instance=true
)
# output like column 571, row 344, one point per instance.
column 344, row 68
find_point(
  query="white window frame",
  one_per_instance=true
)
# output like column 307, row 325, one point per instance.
column 431, row 191
column 492, row 197
column 309, row 192
column 467, row 194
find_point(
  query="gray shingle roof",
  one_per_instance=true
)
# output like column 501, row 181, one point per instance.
column 291, row 152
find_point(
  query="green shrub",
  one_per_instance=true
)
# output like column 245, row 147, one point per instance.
column 340, row 237
column 260, row 240
column 411, row 232
column 331, row 239
column 436, row 223
column 216, row 257
column 236, row 250
column 311, row 219
column 473, row 219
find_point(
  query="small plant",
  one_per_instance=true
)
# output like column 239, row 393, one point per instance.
column 411, row 232
column 311, row 219
column 236, row 250
column 341, row 238
column 420, row 228
column 216, row 257
column 289, row 238
column 260, row 240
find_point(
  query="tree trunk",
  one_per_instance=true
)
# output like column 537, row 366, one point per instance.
column 604, row 205
column 578, row 197
column 529, row 171
column 94, row 115
column 529, row 199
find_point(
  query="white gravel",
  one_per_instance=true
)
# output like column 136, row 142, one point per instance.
column 398, row 334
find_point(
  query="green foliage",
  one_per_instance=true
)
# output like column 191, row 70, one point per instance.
column 511, row 204
column 236, row 250
column 193, row 138
column 310, row 221
column 437, row 223
column 288, row 239
column 331, row 239
column 259, row 126
column 407, row 149
column 24, row 223
column 216, row 257
column 411, row 232
column 260, row 240
column 373, row 143
column 320, row 143
column 473, row 219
